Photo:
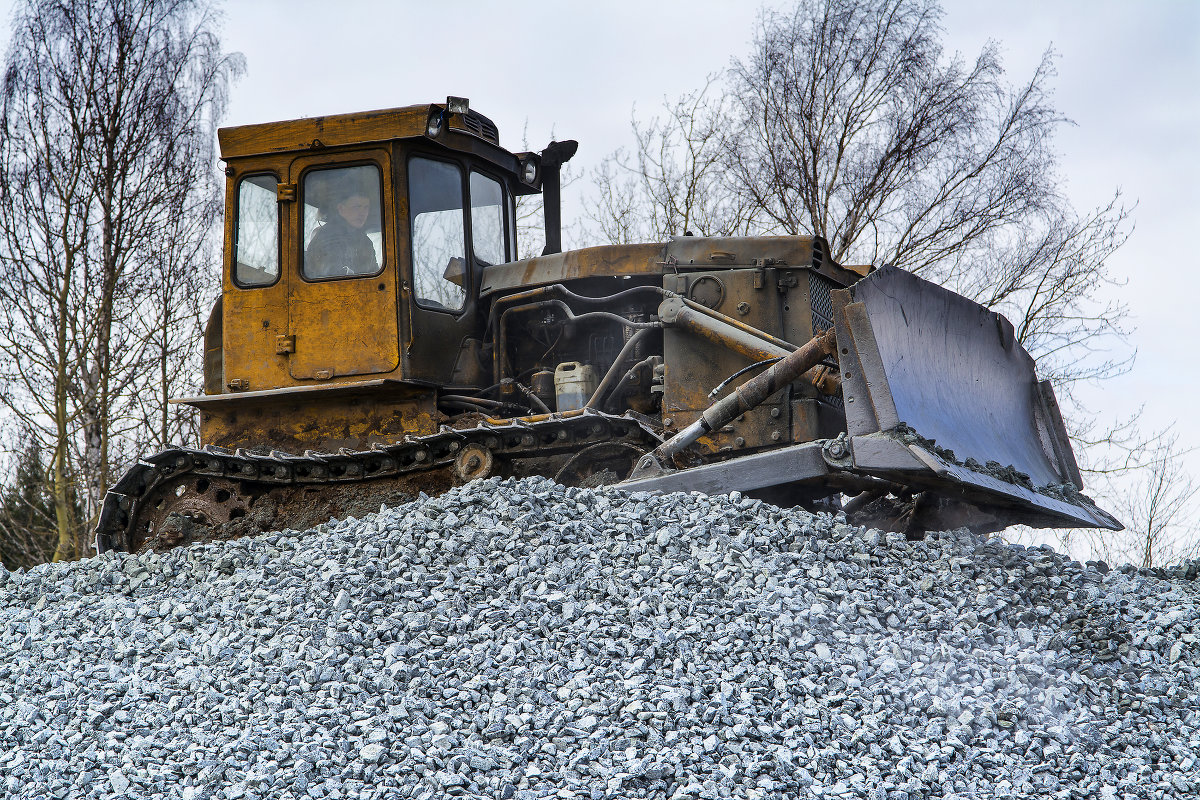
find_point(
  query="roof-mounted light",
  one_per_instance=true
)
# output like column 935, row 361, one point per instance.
column 458, row 105
column 529, row 170
column 435, row 124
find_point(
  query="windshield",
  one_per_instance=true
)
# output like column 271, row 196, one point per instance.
column 487, row 219
column 437, row 207
column 435, row 202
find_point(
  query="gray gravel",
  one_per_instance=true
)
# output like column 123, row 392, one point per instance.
column 518, row 639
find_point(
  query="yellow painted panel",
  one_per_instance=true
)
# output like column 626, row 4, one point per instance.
column 345, row 327
column 253, row 318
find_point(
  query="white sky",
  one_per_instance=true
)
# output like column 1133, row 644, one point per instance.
column 1128, row 75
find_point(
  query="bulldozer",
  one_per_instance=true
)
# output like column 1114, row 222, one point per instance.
column 377, row 337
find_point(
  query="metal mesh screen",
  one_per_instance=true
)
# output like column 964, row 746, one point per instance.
column 819, row 288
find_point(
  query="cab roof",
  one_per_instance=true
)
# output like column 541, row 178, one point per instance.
column 469, row 131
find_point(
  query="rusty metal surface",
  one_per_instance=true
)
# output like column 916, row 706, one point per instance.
column 195, row 509
column 715, row 332
column 605, row 261
column 470, row 132
column 746, row 397
column 812, row 419
column 354, row 416
column 252, row 318
column 754, row 391
column 679, row 254
column 704, row 347
column 707, row 346
column 716, row 251
column 331, row 131
column 294, row 331
column 344, row 327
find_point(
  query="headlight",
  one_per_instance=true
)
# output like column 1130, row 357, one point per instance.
column 435, row 125
column 529, row 171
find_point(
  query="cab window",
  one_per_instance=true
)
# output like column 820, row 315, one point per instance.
column 256, row 232
column 487, row 220
column 342, row 224
column 435, row 201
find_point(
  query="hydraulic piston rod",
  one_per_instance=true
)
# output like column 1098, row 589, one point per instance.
column 747, row 396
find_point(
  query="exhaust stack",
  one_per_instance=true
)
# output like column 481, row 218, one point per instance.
column 552, row 158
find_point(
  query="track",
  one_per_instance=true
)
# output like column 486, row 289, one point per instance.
column 182, row 495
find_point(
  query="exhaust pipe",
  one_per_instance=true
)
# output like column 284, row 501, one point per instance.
column 552, row 158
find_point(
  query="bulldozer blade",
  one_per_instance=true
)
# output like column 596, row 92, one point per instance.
column 940, row 395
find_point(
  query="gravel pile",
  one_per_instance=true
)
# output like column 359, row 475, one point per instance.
column 518, row 639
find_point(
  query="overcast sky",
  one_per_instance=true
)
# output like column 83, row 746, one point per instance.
column 1128, row 75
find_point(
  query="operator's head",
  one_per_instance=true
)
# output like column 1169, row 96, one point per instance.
column 348, row 197
column 355, row 209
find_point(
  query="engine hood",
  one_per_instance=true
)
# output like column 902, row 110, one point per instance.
column 680, row 253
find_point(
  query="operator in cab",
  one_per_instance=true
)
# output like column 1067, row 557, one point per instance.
column 341, row 246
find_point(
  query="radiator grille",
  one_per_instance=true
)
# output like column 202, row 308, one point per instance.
column 821, row 303
column 819, row 288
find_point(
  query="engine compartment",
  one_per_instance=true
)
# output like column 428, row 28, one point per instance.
column 601, row 343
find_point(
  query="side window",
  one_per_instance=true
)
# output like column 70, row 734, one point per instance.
column 435, row 202
column 256, row 232
column 487, row 220
column 342, row 224
column 511, row 211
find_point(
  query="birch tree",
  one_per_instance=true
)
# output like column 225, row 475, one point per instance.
column 109, row 183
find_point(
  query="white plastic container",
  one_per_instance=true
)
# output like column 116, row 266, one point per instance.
column 574, row 384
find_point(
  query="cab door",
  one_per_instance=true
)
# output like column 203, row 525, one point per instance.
column 459, row 221
column 342, row 294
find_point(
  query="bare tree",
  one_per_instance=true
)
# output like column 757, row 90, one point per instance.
column 108, row 179
column 44, row 200
column 159, row 85
column 676, row 180
column 1155, row 495
column 848, row 121
column 172, row 278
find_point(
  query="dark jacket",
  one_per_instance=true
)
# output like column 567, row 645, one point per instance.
column 337, row 249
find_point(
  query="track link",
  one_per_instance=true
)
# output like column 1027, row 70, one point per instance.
column 141, row 499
